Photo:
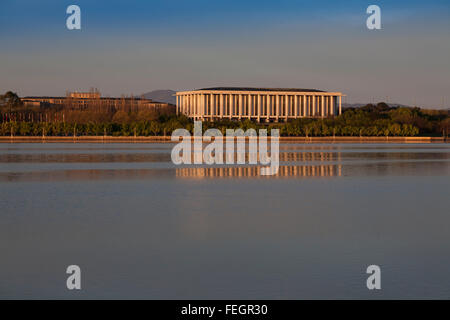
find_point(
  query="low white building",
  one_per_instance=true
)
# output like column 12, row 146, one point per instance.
column 260, row 104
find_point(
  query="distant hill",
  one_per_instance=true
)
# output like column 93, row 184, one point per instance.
column 359, row 105
column 161, row 96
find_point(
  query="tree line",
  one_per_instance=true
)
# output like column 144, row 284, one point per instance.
column 370, row 120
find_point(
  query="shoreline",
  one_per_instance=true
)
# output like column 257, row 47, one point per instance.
column 167, row 139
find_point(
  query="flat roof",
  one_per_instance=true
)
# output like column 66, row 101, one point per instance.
column 258, row 89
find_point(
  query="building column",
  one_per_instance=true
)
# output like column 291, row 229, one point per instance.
column 313, row 105
column 322, row 102
column 268, row 105
column 309, row 99
column 192, row 105
column 183, row 104
column 307, row 106
column 200, row 106
column 330, row 101
column 286, row 107
column 216, row 105
column 277, row 106
column 240, row 106
column 225, row 105
column 203, row 106
column 249, row 106
column 213, row 106
column 259, row 108
column 188, row 105
column 226, row 98
column 303, row 109
column 205, row 103
column 299, row 106
column 210, row 105
column 197, row 105
column 194, row 109
column 296, row 106
column 231, row 105
column 340, row 105
column 220, row 105
column 327, row 107
column 179, row 105
column 332, row 105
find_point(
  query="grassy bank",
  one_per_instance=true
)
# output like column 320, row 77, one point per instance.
column 150, row 139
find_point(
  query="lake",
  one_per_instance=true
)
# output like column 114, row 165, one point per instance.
column 140, row 227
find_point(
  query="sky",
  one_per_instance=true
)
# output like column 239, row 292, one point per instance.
column 132, row 47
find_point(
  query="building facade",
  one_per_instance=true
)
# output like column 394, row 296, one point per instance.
column 259, row 104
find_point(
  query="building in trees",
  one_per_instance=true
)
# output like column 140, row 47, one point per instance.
column 93, row 101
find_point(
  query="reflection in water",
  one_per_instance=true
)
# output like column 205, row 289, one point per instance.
column 242, row 172
column 80, row 175
column 84, row 157
column 131, row 156
column 405, row 168
column 189, row 172
column 66, row 162
column 147, row 229
column 310, row 156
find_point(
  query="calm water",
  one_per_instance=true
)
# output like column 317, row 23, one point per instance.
column 139, row 227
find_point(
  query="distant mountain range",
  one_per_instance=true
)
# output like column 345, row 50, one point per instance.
column 358, row 105
column 166, row 96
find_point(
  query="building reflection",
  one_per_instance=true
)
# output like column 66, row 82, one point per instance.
column 310, row 156
column 254, row 171
column 197, row 157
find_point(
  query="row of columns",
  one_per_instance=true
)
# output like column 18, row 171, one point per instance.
column 257, row 106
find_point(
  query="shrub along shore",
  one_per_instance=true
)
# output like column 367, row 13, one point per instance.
column 167, row 139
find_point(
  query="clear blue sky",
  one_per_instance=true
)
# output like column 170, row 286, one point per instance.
column 137, row 46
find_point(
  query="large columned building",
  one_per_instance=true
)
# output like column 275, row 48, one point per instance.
column 260, row 104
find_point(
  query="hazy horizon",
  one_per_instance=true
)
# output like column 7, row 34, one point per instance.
column 133, row 47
